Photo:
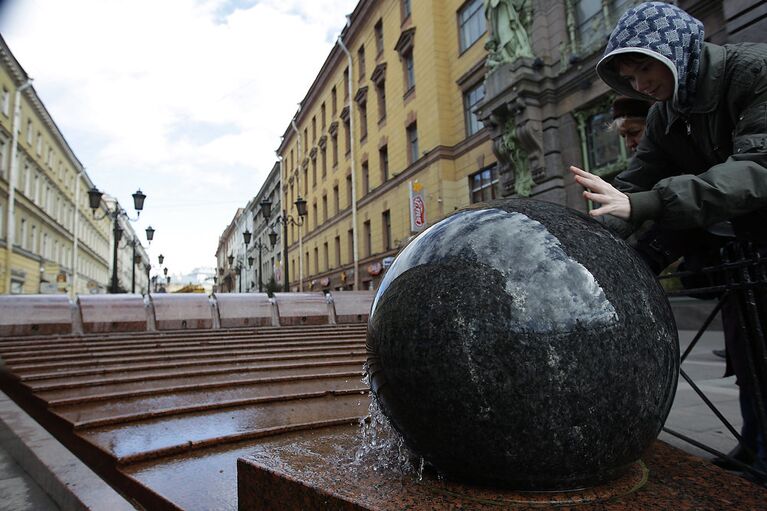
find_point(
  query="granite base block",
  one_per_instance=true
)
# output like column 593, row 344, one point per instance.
column 318, row 471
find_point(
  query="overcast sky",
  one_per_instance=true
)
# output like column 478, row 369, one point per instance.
column 185, row 99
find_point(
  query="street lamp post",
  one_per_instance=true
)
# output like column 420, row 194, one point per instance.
column 94, row 201
column 136, row 259
column 246, row 238
column 260, row 246
column 285, row 219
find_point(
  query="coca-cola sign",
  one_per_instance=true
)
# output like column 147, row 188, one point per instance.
column 417, row 207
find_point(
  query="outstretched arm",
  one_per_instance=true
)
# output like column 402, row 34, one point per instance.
column 611, row 201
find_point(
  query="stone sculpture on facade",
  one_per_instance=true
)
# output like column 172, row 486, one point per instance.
column 509, row 22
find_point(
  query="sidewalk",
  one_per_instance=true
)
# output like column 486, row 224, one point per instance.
column 689, row 414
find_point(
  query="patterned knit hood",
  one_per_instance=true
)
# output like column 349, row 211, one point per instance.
column 664, row 32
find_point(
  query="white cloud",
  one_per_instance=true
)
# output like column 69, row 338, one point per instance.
column 185, row 98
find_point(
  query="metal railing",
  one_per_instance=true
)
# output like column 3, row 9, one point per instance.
column 740, row 279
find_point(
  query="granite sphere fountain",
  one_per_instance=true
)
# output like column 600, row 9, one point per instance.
column 519, row 343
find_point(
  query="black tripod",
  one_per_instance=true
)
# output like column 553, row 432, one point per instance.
column 740, row 278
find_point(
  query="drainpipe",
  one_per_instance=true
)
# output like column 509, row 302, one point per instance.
column 298, row 184
column 351, row 149
column 10, row 229
column 75, row 243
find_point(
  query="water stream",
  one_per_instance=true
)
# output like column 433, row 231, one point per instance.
column 381, row 447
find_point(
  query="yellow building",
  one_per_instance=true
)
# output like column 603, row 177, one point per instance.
column 49, row 241
column 384, row 143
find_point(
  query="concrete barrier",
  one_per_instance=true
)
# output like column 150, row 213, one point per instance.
column 36, row 315
column 245, row 309
column 303, row 308
column 352, row 306
column 113, row 313
column 191, row 311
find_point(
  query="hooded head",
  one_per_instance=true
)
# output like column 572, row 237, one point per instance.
column 664, row 33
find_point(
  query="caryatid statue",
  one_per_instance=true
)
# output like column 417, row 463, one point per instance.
column 509, row 22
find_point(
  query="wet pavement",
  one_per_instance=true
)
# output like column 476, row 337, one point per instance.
column 164, row 416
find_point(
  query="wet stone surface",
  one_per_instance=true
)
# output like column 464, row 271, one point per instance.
column 520, row 344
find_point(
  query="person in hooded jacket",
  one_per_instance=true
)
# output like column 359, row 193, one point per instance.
column 702, row 162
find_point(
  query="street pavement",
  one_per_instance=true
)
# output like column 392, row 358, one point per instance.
column 689, row 416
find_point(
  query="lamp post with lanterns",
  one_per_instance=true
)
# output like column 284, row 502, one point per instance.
column 94, row 201
column 285, row 219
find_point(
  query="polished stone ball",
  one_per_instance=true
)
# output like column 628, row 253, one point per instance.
column 519, row 343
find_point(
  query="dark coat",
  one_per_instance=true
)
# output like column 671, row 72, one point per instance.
column 708, row 164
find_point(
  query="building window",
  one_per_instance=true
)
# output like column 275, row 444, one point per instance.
column 334, row 101
column 406, row 9
column 324, row 208
column 379, row 79
column 404, row 47
column 471, row 23
column 316, row 260
column 334, row 147
column 336, row 200
column 603, row 143
column 314, row 129
column 365, row 179
column 349, row 189
column 381, row 93
column 484, row 185
column 7, row 101
column 324, row 160
column 346, row 82
column 315, row 216
column 367, row 235
column 363, row 109
column 412, row 142
column 347, row 136
column 39, row 146
column 379, row 37
column 326, row 255
column 383, row 161
column 322, row 113
column 338, row 251
column 409, row 65
column 29, row 132
column 386, row 227
column 472, row 98
column 361, row 62
column 594, row 20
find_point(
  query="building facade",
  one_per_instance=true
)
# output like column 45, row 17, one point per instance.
column 267, row 257
column 229, row 246
column 50, row 240
column 547, row 109
column 385, row 142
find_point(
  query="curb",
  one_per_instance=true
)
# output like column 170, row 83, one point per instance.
column 60, row 474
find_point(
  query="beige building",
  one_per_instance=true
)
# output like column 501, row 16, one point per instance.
column 384, row 143
column 230, row 246
column 49, row 240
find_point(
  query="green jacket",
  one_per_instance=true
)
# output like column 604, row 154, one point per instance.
column 709, row 164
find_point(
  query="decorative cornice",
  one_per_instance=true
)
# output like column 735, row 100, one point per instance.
column 405, row 41
column 323, row 141
column 333, row 128
column 345, row 114
column 362, row 95
column 313, row 153
column 379, row 74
